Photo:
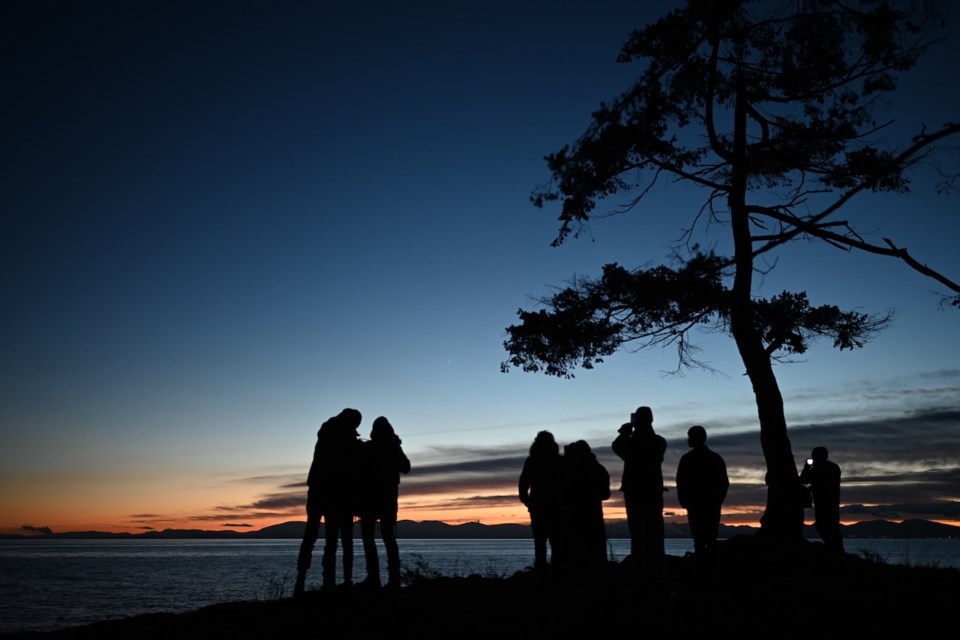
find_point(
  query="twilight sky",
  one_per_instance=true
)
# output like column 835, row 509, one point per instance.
column 224, row 222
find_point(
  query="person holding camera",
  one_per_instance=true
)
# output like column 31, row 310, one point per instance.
column 642, row 453
column 823, row 477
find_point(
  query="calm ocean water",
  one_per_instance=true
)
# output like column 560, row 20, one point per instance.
column 50, row 584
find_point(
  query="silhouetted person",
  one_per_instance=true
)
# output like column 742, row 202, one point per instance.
column 321, row 487
column 588, row 485
column 340, row 478
column 541, row 486
column 823, row 477
column 383, row 462
column 642, row 452
column 702, row 485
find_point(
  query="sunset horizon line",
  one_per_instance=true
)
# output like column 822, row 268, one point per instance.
column 30, row 531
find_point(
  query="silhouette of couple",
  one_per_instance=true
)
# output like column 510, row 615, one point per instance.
column 351, row 477
column 564, row 495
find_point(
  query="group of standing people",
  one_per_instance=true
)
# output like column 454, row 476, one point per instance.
column 564, row 495
column 702, row 485
column 353, row 478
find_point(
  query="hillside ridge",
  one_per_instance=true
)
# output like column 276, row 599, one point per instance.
column 430, row 529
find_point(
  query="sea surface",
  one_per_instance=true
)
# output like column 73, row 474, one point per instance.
column 50, row 584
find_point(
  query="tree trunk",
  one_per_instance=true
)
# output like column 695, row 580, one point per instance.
column 783, row 517
column 784, row 513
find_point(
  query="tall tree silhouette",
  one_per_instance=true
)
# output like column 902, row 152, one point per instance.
column 768, row 107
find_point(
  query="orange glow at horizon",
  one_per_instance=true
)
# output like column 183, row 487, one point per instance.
column 487, row 516
column 242, row 508
column 428, row 510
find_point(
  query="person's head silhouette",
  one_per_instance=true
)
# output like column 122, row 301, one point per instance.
column 696, row 436
column 642, row 421
column 347, row 424
column 819, row 454
column 578, row 451
column 544, row 444
column 351, row 417
column 382, row 429
column 643, row 416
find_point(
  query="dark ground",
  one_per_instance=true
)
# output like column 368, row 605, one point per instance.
column 762, row 588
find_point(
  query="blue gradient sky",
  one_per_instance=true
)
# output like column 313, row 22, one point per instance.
column 224, row 222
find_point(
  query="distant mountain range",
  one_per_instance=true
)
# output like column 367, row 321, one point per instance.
column 476, row 530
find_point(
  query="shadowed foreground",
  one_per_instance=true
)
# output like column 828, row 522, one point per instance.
column 762, row 589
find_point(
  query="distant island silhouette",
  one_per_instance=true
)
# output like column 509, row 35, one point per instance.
column 430, row 529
